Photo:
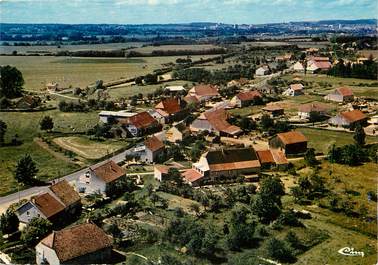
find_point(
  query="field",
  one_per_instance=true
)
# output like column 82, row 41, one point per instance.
column 80, row 72
column 322, row 140
column 26, row 126
column 86, row 148
column 199, row 47
column 54, row 48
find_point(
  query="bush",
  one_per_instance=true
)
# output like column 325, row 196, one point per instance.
column 279, row 250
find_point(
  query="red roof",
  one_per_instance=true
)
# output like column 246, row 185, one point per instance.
column 162, row 168
column 191, row 175
column 109, row 171
column 292, row 137
column 218, row 119
column 265, row 156
column 296, row 87
column 344, row 91
column 142, row 120
column 279, row 157
column 206, row 90
column 353, row 116
column 323, row 65
column 249, row 95
column 153, row 143
column 322, row 59
column 169, row 105
column 77, row 241
column 315, row 106
column 47, row 204
column 65, row 192
column 191, row 99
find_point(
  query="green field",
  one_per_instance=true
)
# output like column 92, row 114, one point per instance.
column 80, row 72
column 26, row 125
column 322, row 140
column 199, row 47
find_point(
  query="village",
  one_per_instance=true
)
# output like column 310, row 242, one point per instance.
column 202, row 165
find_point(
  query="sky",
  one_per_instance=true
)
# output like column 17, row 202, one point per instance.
column 182, row 11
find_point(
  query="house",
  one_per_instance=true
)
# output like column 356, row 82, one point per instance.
column 160, row 171
column 238, row 83
column 294, row 90
column 60, row 201
column 284, row 58
column 341, row 94
column 79, row 244
column 273, row 110
column 290, row 143
column 99, row 179
column 298, row 67
column 215, row 120
column 304, row 110
column 227, row 163
column 246, row 98
column 271, row 158
column 170, row 109
column 153, row 148
column 114, row 116
column 175, row 89
column 317, row 64
column 349, row 119
column 140, row 124
column 204, row 92
column 192, row 177
column 52, row 86
column 263, row 70
column 191, row 100
column 28, row 102
column 177, row 133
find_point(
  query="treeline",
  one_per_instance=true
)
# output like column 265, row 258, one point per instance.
column 176, row 52
column 223, row 76
column 93, row 53
column 367, row 70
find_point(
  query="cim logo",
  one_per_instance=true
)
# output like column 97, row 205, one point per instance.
column 347, row 251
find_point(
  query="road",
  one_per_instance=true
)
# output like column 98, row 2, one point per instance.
column 25, row 194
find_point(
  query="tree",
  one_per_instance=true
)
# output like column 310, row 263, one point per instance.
column 9, row 222
column 37, row 229
column 3, row 129
column 359, row 135
column 266, row 122
column 278, row 249
column 11, row 82
column 310, row 157
column 46, row 123
column 26, row 170
column 272, row 187
column 315, row 116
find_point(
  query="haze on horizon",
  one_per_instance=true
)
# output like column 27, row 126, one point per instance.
column 182, row 11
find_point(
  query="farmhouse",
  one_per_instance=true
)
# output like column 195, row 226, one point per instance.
column 298, row 67
column 99, row 179
column 140, row 124
column 175, row 89
column 272, row 158
column 238, row 83
column 294, row 90
column 263, row 70
column 177, row 133
column 341, row 94
column 317, row 64
column 349, row 119
column 79, row 244
column 245, row 98
column 192, row 177
column 60, row 200
column 204, row 92
column 153, row 148
column 273, row 110
column 290, row 143
column 170, row 109
column 111, row 116
column 52, row 86
column 227, row 163
column 215, row 121
column 304, row 110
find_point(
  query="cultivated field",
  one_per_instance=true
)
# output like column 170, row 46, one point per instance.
column 80, row 72
column 86, row 148
column 199, row 47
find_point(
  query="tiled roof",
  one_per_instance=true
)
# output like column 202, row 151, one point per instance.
column 353, row 116
column 162, row 168
column 191, row 175
column 206, row 90
column 265, row 156
column 218, row 119
column 109, row 171
column 314, row 106
column 292, row 137
column 191, row 99
column 77, row 241
column 321, row 59
column 153, row 143
column 169, row 105
column 296, row 87
column 224, row 156
column 65, row 192
column 47, row 204
column 142, row 120
column 235, row 166
column 249, row 95
column 322, row 64
column 279, row 157
column 344, row 91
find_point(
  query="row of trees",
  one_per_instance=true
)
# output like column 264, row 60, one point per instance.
column 366, row 70
column 11, row 82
